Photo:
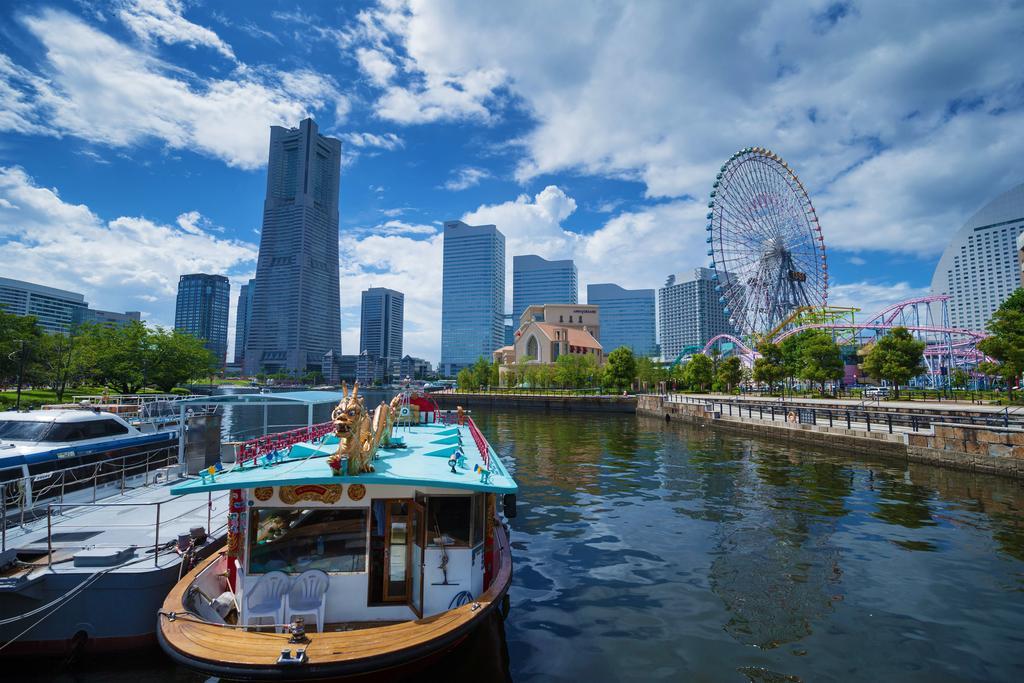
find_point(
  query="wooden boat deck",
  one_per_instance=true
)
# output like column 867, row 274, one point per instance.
column 234, row 652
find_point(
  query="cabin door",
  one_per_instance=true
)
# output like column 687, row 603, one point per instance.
column 417, row 537
column 396, row 551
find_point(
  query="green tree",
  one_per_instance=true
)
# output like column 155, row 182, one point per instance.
column 58, row 361
column 575, row 370
column 730, row 373
column 481, row 370
column 174, row 357
column 1006, row 343
column 467, row 380
column 115, row 356
column 648, row 373
column 698, row 373
column 768, row 367
column 959, row 379
column 896, row 357
column 620, row 369
column 821, row 360
column 18, row 334
column 792, row 356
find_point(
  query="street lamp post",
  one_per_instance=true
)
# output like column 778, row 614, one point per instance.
column 21, row 371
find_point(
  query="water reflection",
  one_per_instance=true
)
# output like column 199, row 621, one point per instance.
column 649, row 551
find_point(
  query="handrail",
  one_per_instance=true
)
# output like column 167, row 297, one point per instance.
column 481, row 442
column 156, row 532
column 272, row 443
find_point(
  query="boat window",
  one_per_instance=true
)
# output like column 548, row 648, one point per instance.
column 448, row 518
column 79, row 431
column 293, row 540
column 23, row 430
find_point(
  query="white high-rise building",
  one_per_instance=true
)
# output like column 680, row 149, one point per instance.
column 690, row 313
column 980, row 267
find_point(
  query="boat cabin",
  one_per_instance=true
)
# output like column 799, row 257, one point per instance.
column 412, row 538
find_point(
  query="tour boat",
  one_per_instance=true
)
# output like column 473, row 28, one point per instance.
column 367, row 545
column 36, row 444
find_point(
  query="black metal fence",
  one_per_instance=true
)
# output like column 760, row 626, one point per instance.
column 862, row 418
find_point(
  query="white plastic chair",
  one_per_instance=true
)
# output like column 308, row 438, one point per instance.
column 308, row 597
column 267, row 599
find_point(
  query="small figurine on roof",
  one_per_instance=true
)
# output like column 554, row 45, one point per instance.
column 460, row 415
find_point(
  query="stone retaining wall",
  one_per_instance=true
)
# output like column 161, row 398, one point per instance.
column 986, row 449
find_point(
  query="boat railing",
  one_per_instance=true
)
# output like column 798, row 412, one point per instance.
column 67, row 522
column 273, row 443
column 21, row 501
column 480, row 441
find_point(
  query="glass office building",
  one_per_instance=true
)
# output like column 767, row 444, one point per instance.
column 537, row 281
column 472, row 294
column 202, row 310
column 627, row 318
column 296, row 305
column 243, row 315
column 381, row 326
column 980, row 269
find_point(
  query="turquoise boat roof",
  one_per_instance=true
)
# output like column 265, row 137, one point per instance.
column 423, row 462
column 297, row 397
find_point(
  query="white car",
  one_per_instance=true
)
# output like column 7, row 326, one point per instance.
column 876, row 392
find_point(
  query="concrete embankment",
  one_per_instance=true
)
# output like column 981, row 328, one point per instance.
column 484, row 401
column 982, row 448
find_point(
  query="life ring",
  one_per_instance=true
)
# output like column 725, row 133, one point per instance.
column 405, row 412
column 791, row 417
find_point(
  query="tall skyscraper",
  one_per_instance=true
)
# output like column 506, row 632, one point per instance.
column 627, row 318
column 473, row 294
column 202, row 310
column 381, row 325
column 979, row 269
column 537, row 281
column 689, row 313
column 296, row 305
column 243, row 315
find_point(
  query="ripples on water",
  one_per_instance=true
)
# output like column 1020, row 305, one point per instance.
column 647, row 551
column 653, row 551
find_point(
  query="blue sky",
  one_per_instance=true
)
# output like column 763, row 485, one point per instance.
column 133, row 134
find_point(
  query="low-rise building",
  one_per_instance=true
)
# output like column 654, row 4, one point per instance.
column 415, row 368
column 552, row 330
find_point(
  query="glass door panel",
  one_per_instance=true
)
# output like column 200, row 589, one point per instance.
column 416, row 538
column 396, row 552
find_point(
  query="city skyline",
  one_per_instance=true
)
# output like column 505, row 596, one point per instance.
column 896, row 148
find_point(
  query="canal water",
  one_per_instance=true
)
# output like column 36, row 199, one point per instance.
column 650, row 551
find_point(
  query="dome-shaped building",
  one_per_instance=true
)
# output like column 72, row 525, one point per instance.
column 979, row 268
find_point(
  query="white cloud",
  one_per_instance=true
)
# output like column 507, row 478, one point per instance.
column 376, row 65
column 388, row 141
column 106, row 92
column 872, row 297
column 465, row 178
column 900, row 119
column 163, row 20
column 409, row 265
column 115, row 263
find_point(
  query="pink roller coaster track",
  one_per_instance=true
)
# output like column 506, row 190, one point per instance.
column 964, row 346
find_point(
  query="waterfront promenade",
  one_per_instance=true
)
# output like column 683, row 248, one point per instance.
column 954, row 435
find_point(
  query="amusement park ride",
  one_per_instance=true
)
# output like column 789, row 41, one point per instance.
column 771, row 273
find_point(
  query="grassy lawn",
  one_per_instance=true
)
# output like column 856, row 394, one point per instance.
column 39, row 397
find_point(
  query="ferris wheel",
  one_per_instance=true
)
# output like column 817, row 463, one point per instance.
column 767, row 250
